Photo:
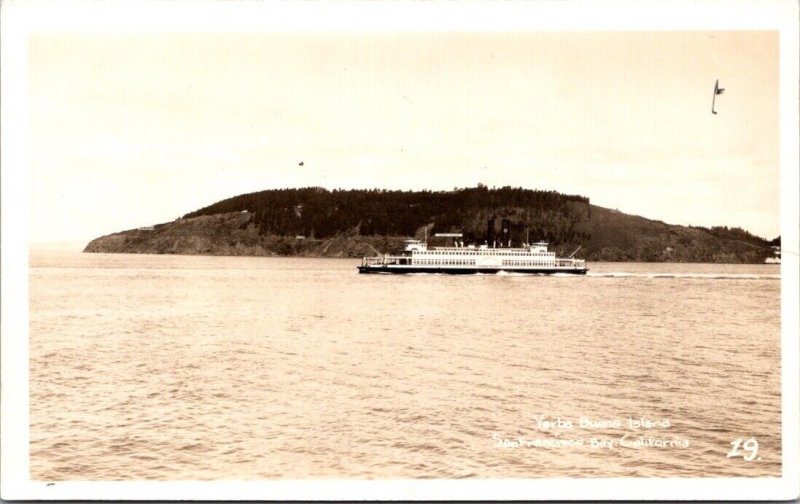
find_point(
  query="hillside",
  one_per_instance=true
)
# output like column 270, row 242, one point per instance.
column 321, row 223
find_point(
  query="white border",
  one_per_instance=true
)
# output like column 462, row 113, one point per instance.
column 790, row 243
column 20, row 18
column 14, row 197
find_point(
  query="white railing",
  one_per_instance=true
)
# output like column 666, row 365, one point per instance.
column 384, row 260
column 571, row 263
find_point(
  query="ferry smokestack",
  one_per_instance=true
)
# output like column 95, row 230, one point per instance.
column 506, row 233
column 490, row 233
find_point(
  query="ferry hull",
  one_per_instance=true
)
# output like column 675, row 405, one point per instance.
column 398, row 269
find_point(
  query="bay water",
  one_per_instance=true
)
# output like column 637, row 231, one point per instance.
column 154, row 367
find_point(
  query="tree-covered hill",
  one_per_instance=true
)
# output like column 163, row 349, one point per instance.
column 319, row 213
column 317, row 222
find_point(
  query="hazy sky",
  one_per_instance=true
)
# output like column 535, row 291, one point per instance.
column 136, row 129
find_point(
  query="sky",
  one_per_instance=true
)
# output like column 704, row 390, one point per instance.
column 134, row 129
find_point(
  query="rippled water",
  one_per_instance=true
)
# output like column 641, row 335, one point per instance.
column 164, row 367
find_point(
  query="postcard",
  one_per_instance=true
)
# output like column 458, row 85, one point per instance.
column 400, row 250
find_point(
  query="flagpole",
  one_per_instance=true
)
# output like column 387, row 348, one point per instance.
column 714, row 99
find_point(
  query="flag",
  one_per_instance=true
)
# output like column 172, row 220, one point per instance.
column 717, row 91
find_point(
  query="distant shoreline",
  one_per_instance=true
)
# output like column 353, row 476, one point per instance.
column 354, row 258
column 39, row 249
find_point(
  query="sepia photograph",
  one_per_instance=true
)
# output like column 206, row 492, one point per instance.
column 400, row 250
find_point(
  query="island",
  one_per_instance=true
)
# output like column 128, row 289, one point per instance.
column 317, row 222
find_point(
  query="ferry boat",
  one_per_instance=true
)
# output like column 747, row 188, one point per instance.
column 418, row 258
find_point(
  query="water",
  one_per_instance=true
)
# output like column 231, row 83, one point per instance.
column 167, row 368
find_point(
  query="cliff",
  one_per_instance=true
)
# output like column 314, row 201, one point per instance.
column 234, row 234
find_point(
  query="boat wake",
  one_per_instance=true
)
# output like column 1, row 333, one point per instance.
column 702, row 276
